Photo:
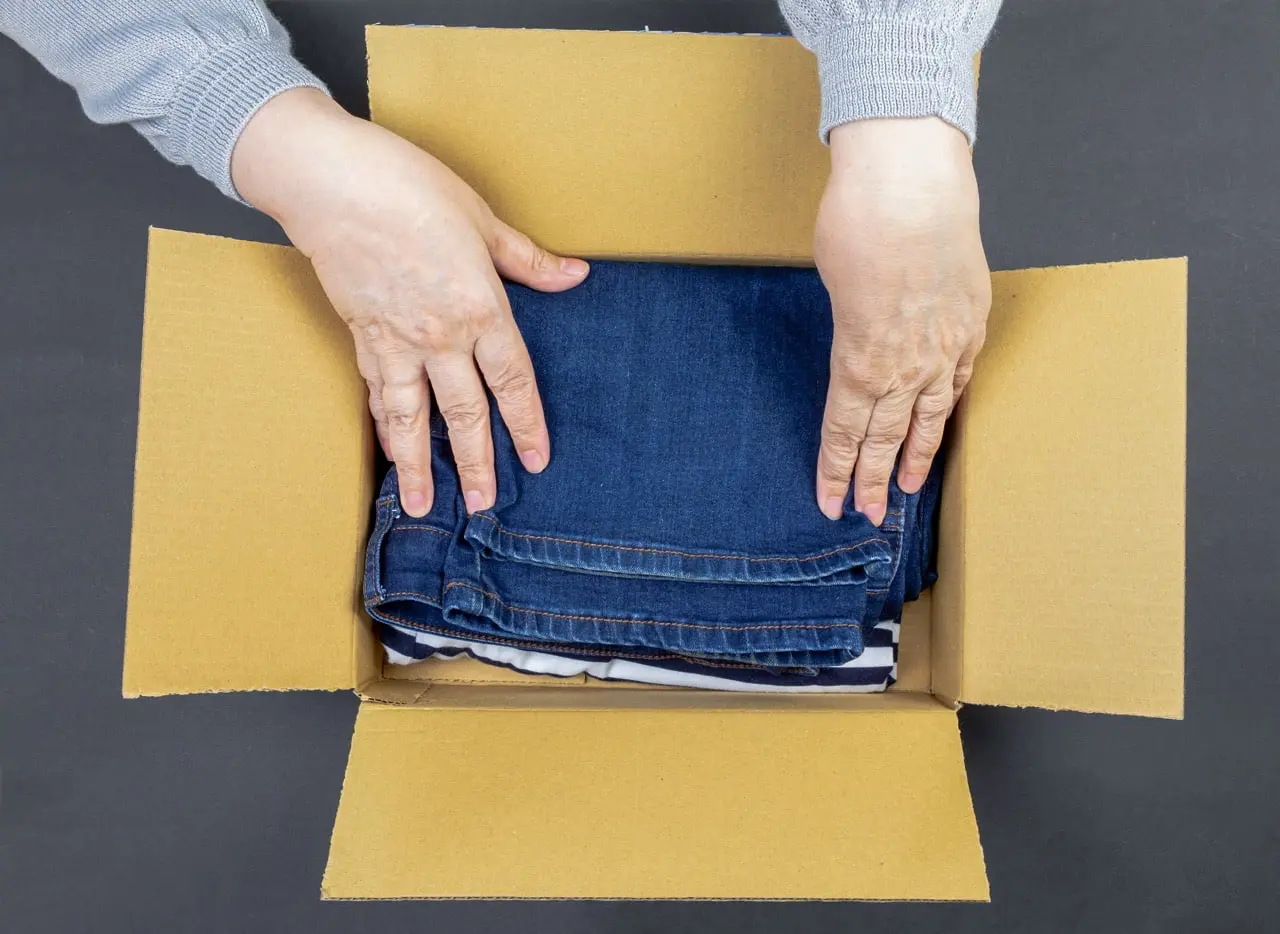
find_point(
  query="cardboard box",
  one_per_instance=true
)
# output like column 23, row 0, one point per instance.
column 1062, row 533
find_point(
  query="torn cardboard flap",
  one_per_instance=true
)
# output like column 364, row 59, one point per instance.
column 1061, row 568
column 655, row 803
column 253, row 479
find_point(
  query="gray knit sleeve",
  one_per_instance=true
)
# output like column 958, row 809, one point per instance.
column 894, row 58
column 187, row 74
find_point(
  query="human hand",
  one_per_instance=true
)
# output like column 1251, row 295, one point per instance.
column 410, row 257
column 898, row 246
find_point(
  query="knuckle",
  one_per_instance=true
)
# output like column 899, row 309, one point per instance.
column 880, row 446
column 402, row 412
column 465, row 418
column 921, row 448
column 456, row 323
column 439, row 332
column 512, row 382
column 471, row 303
column 471, row 465
column 932, row 409
column 542, row 261
column 856, row 366
column 403, row 421
column 840, row 444
column 482, row 313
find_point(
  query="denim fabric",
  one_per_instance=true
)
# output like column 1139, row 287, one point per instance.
column 677, row 517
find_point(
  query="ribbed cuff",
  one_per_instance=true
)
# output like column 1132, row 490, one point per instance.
column 217, row 99
column 895, row 68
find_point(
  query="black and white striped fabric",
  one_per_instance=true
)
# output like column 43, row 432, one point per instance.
column 874, row 670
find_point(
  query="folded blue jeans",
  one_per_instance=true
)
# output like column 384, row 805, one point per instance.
column 676, row 518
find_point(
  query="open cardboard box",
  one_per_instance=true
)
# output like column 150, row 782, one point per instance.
column 1062, row 533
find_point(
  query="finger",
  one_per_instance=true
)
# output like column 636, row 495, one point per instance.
column 521, row 260
column 885, row 433
column 465, row 408
column 370, row 369
column 928, row 419
column 379, row 419
column 964, row 369
column 406, row 404
column 844, row 425
column 504, row 362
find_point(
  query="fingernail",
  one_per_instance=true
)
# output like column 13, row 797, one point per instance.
column 533, row 461
column 874, row 512
column 474, row 499
column 911, row 482
column 415, row 504
column 833, row 507
column 573, row 267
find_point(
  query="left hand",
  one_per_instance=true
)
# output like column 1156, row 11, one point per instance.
column 898, row 246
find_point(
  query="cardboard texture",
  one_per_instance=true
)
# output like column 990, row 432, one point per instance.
column 1063, row 552
column 250, row 411
column 618, row 125
column 1061, row 565
column 657, row 806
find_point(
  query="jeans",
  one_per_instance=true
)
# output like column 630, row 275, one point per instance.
column 676, row 519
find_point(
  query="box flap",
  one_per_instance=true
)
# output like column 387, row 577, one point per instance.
column 632, row 144
column 526, row 792
column 1062, row 547
column 252, row 485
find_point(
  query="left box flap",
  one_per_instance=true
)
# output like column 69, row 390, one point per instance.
column 524, row 792
column 252, row 483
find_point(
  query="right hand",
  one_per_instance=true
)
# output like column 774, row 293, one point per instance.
column 410, row 257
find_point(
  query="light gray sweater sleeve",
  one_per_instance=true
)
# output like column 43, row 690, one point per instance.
column 894, row 58
column 187, row 74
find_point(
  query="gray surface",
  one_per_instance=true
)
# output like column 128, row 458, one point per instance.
column 1105, row 134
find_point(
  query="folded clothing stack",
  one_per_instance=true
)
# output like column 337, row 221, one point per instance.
column 674, row 538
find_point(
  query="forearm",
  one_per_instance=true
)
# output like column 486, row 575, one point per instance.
column 894, row 58
column 187, row 74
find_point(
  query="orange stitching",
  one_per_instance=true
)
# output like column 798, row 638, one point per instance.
column 422, row 528
column 671, row 551
column 405, row 594
column 638, row 622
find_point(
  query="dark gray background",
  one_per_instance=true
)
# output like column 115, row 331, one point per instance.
column 1108, row 131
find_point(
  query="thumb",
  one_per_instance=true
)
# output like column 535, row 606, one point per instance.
column 521, row 260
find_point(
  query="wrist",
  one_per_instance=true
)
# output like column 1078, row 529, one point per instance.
column 277, row 157
column 918, row 149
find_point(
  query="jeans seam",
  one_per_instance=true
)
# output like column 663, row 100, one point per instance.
column 550, row 650
column 412, row 595
column 642, row 622
column 671, row 551
column 417, row 527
